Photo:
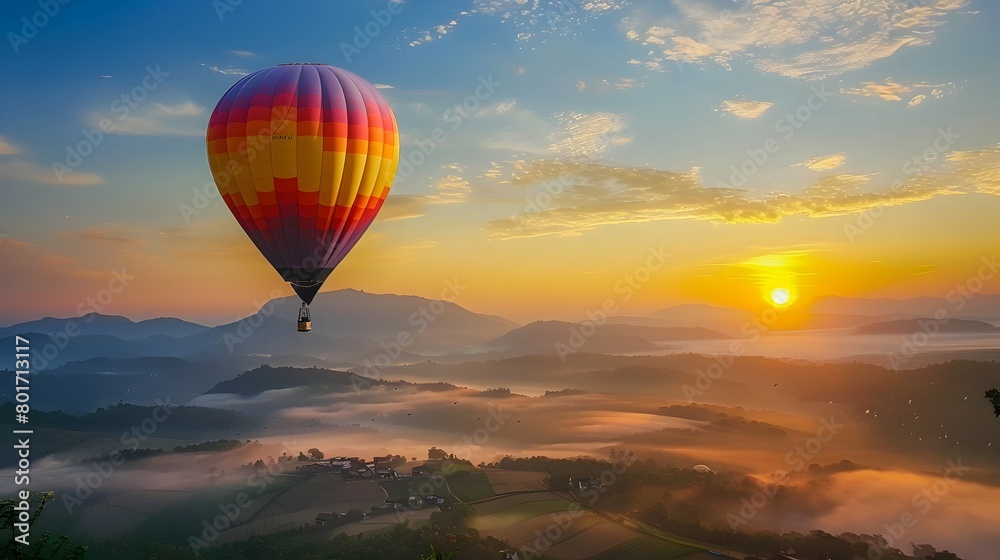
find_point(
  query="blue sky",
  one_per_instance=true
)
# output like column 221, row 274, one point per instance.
column 648, row 105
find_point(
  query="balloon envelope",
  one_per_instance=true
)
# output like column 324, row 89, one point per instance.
column 304, row 156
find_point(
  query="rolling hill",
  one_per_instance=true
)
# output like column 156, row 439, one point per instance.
column 112, row 325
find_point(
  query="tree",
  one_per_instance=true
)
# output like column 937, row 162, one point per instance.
column 44, row 547
column 435, row 454
column 994, row 397
column 315, row 454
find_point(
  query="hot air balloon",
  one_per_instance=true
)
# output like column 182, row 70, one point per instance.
column 304, row 156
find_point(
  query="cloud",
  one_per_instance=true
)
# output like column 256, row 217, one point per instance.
column 20, row 170
column 888, row 91
column 687, row 49
column 809, row 40
column 403, row 207
column 824, row 163
column 602, row 195
column 6, row 148
column 655, row 35
column 227, row 71
column 187, row 109
column 157, row 119
column 745, row 108
column 104, row 235
column 891, row 90
column 450, row 189
column 496, row 109
column 567, row 134
column 528, row 20
column 246, row 54
column 383, row 86
column 423, row 37
column 588, row 135
column 980, row 168
column 619, row 84
column 380, row 251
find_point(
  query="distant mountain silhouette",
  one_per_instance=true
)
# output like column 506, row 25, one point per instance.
column 113, row 325
column 981, row 306
column 48, row 352
column 349, row 327
column 543, row 337
column 432, row 324
column 723, row 319
column 907, row 326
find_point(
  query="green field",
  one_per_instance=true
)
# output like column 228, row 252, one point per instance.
column 541, row 507
column 175, row 523
column 470, row 485
column 646, row 548
column 515, row 513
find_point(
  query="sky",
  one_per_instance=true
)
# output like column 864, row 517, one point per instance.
column 648, row 153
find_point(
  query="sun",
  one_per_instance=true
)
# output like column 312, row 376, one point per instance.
column 780, row 296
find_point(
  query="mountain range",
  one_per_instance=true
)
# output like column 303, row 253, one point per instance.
column 353, row 327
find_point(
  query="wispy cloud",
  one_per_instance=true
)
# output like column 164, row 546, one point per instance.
column 403, row 207
column 246, row 54
column 6, row 148
column 186, row 109
column 588, row 135
column 891, row 90
column 824, row 163
column 981, row 168
column 568, row 134
column 158, row 119
column 528, row 20
column 226, row 71
column 20, row 170
column 425, row 36
column 603, row 195
column 379, row 250
column 620, row 84
column 112, row 235
column 450, row 189
column 496, row 109
column 810, row 40
column 745, row 108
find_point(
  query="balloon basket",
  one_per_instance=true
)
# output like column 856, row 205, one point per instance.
column 305, row 321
